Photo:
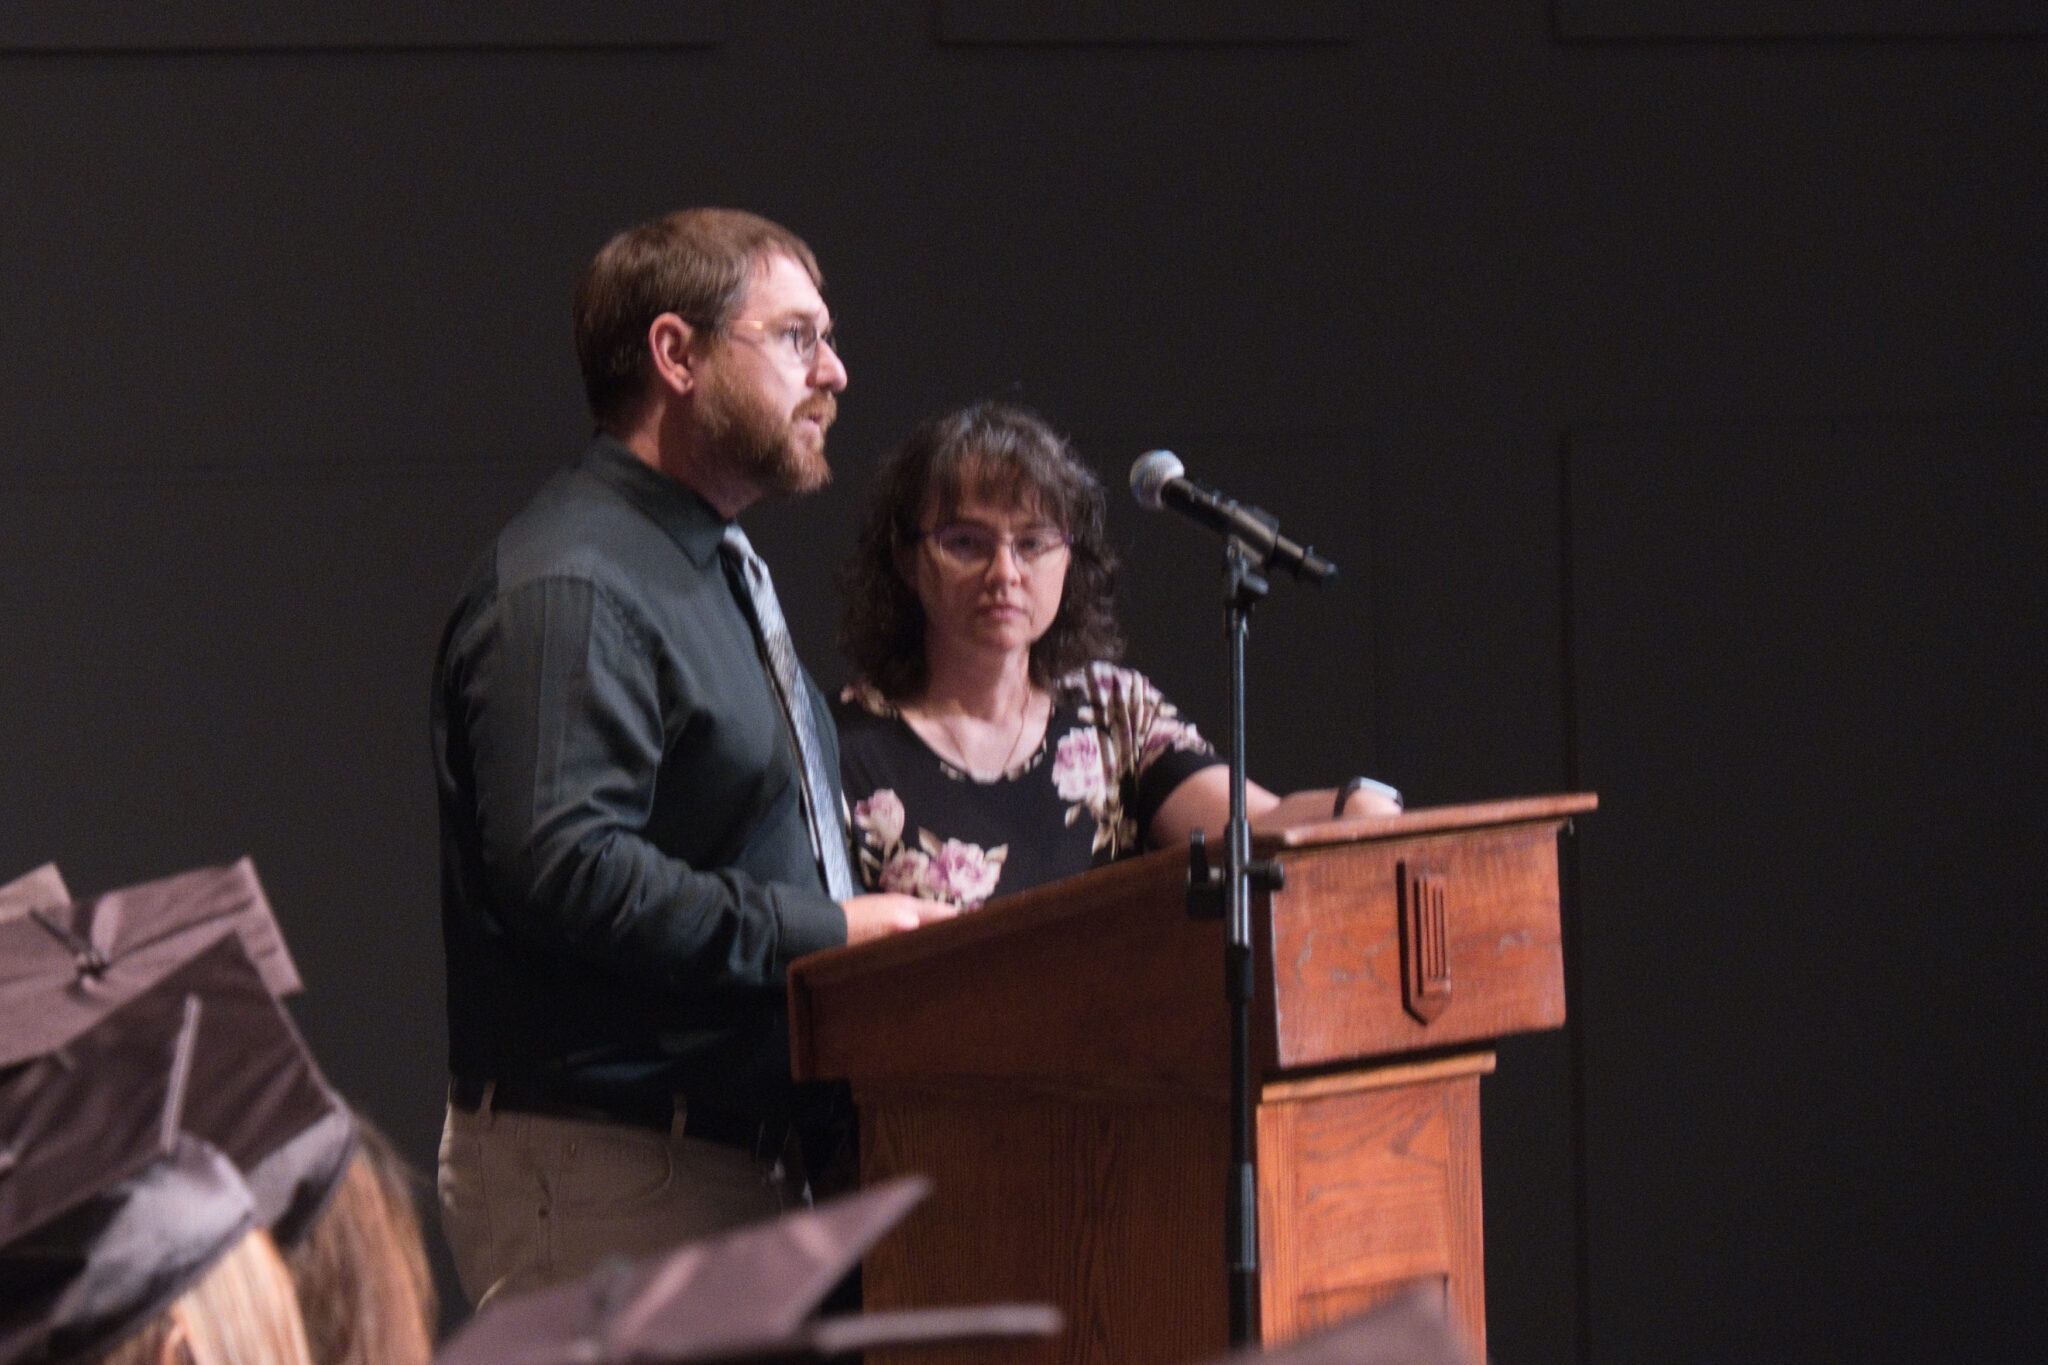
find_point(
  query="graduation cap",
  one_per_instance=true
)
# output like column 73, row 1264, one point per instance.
column 139, row 1149
column 40, row 889
column 62, row 967
column 746, row 1295
column 1409, row 1330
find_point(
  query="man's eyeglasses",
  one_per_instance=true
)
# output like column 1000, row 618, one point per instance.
column 974, row 547
column 801, row 335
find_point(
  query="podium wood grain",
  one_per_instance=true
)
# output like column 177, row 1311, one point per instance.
column 1056, row 1062
column 1367, row 1188
column 1080, row 1202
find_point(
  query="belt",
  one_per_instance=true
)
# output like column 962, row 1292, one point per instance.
column 708, row 1123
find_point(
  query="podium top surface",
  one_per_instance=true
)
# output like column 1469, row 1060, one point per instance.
column 1429, row 820
column 1079, row 898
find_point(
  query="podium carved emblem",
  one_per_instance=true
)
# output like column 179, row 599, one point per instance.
column 1425, row 942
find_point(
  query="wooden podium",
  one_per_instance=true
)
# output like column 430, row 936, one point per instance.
column 1057, row 1062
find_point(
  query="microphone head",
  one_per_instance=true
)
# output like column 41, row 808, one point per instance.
column 1151, row 473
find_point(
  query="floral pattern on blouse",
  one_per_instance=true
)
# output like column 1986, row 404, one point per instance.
column 1128, row 725
column 937, row 870
column 1110, row 726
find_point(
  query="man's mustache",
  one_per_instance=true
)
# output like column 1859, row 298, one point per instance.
column 822, row 406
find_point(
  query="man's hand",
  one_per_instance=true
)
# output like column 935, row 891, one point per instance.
column 889, row 913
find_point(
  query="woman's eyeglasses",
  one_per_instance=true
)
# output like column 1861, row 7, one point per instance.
column 974, row 547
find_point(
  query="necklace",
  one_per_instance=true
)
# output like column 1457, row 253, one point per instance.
column 959, row 749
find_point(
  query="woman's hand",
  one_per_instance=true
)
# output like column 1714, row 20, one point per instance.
column 1319, row 804
column 1203, row 802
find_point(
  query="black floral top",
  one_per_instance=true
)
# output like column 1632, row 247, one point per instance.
column 1114, row 750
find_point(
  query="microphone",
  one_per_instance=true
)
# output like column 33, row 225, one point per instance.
column 1159, row 480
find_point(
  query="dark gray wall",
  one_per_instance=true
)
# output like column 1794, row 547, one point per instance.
column 1667, row 404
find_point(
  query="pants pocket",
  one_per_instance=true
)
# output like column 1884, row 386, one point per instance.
column 462, row 1190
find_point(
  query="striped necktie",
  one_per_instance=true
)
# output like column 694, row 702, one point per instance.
column 821, row 812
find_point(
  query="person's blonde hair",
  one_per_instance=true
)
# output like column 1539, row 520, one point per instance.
column 243, row 1312
column 365, row 1291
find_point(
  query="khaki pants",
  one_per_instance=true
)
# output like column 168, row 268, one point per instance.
column 528, row 1200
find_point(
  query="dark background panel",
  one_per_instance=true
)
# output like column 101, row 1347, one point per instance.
column 1771, row 19
column 284, row 334
column 1148, row 21
column 1811, row 664
column 203, row 667
column 185, row 26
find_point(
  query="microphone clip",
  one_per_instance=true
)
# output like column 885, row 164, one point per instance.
column 1245, row 586
column 1208, row 895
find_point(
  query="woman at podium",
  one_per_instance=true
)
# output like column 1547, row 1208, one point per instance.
column 991, row 741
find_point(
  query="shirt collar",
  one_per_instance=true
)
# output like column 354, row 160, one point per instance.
column 678, row 509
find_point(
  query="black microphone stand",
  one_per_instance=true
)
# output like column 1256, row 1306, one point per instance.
column 1226, row 892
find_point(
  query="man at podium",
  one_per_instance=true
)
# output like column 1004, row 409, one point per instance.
column 640, row 830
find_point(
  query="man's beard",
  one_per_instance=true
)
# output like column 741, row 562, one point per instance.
column 759, row 443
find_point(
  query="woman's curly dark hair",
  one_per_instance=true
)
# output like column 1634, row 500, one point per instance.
column 1009, row 456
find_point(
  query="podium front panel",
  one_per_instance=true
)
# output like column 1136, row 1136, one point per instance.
column 1109, row 1209
column 1337, row 956
column 1369, row 1187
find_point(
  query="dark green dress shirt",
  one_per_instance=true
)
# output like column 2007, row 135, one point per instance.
column 625, row 869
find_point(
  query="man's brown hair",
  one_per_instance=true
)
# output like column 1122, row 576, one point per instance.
column 695, row 263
